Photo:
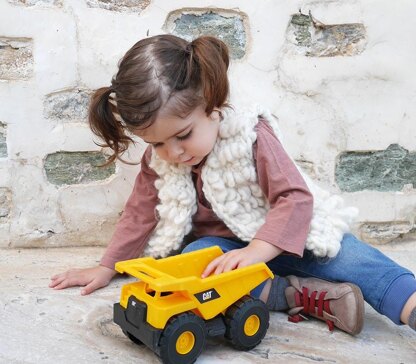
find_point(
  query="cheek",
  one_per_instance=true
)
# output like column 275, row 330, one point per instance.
column 211, row 135
column 199, row 146
column 202, row 140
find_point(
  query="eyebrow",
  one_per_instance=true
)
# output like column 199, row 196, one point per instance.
column 180, row 131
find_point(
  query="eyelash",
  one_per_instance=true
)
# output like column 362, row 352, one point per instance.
column 186, row 136
column 183, row 137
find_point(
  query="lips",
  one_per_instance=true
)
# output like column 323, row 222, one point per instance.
column 188, row 160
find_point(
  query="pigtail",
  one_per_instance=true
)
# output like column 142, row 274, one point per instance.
column 104, row 124
column 210, row 55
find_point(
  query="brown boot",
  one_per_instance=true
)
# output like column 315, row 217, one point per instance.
column 339, row 304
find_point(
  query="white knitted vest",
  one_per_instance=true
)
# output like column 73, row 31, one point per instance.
column 230, row 185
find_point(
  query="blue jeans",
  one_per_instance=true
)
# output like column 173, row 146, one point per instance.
column 385, row 285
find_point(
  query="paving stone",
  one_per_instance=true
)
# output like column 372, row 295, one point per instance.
column 229, row 28
column 384, row 170
column 16, row 58
column 315, row 39
column 79, row 329
column 66, row 168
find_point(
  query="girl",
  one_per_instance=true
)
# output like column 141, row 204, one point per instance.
column 222, row 177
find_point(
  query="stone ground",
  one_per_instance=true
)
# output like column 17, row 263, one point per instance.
column 40, row 325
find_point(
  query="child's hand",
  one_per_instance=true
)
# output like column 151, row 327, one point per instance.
column 90, row 278
column 255, row 252
column 233, row 259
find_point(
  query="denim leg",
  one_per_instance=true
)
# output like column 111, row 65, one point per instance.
column 207, row 241
column 226, row 245
column 386, row 286
column 377, row 275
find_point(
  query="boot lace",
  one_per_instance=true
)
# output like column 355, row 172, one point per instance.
column 312, row 305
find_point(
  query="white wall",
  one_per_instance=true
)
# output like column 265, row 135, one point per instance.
column 326, row 105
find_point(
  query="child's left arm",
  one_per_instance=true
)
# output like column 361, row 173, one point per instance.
column 255, row 252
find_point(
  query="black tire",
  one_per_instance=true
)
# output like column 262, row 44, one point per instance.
column 186, row 327
column 247, row 322
column 132, row 338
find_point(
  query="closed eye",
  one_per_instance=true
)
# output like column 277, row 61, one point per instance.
column 179, row 137
column 183, row 137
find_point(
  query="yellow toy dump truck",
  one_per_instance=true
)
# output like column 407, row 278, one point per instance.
column 172, row 310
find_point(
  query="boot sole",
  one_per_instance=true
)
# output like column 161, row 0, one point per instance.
column 360, row 308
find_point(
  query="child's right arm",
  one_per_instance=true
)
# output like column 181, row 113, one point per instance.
column 132, row 232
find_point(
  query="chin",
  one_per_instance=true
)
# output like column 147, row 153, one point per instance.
column 193, row 161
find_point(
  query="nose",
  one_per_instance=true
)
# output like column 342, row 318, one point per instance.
column 174, row 150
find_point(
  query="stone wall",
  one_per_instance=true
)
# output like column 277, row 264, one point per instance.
column 338, row 74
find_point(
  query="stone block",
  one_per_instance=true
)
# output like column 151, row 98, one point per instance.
column 67, row 105
column 3, row 141
column 16, row 58
column 315, row 39
column 136, row 6
column 67, row 168
column 5, row 202
column 385, row 232
column 227, row 26
column 387, row 170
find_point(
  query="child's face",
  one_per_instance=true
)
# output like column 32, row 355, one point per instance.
column 183, row 140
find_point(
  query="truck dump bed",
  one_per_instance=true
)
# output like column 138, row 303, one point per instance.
column 174, row 285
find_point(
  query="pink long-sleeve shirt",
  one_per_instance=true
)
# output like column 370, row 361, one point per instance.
column 286, row 225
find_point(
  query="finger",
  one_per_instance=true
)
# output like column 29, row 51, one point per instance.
column 59, row 275
column 226, row 265
column 220, row 267
column 231, row 264
column 244, row 263
column 56, row 281
column 229, row 260
column 59, row 279
column 71, row 282
column 208, row 270
column 62, row 285
column 65, row 274
column 91, row 287
column 211, row 267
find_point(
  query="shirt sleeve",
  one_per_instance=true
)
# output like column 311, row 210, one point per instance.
column 291, row 203
column 138, row 219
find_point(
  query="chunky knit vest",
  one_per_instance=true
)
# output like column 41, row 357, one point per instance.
column 230, row 185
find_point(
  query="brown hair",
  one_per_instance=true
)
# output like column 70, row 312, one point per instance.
column 160, row 71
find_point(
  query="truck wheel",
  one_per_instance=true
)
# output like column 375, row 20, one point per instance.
column 132, row 338
column 246, row 322
column 182, row 339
